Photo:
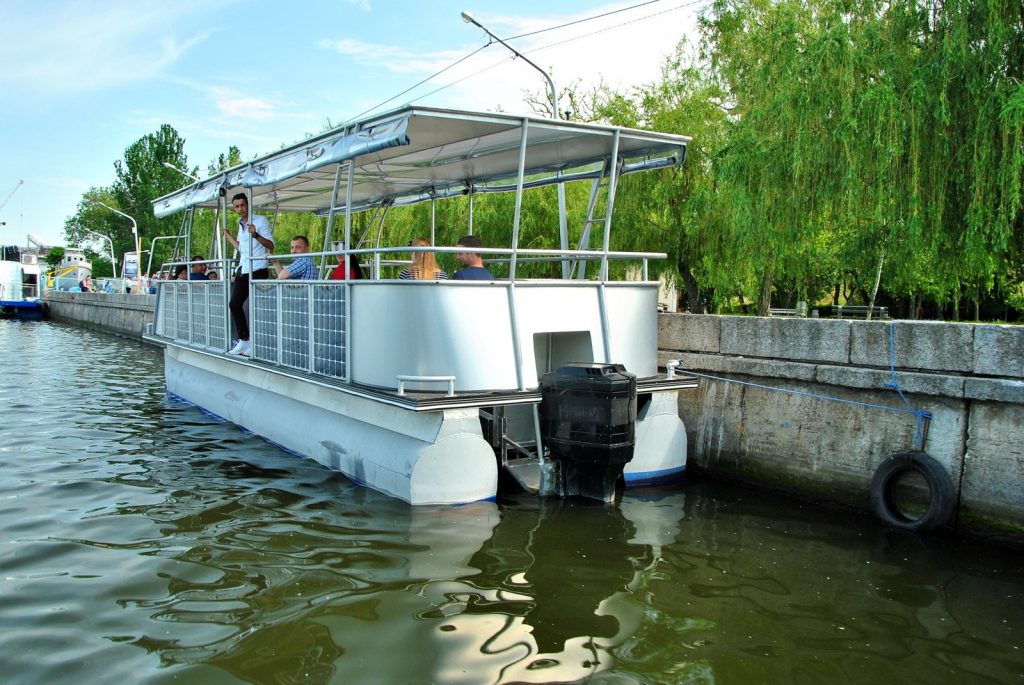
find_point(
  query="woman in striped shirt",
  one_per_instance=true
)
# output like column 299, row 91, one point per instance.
column 424, row 266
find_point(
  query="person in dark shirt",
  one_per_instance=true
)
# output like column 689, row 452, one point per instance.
column 198, row 272
column 472, row 266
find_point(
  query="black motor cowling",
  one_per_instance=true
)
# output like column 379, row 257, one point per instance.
column 588, row 422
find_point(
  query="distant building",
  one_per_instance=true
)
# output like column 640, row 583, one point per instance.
column 74, row 256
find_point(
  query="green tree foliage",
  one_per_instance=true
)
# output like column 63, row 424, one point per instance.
column 54, row 256
column 225, row 161
column 91, row 221
column 890, row 129
column 140, row 178
column 675, row 210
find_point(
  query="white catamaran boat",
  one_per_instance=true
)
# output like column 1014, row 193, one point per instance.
column 424, row 390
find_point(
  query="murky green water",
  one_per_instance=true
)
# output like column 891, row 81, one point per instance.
column 142, row 541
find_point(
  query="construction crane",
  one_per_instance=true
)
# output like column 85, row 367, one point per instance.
column 11, row 194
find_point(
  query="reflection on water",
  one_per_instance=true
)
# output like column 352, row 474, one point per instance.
column 143, row 541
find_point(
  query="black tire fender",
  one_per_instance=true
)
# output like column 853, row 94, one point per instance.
column 941, row 499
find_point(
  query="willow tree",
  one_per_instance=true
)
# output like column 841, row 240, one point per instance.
column 892, row 128
column 674, row 211
column 970, row 138
column 776, row 171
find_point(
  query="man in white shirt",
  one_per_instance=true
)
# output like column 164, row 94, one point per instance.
column 254, row 242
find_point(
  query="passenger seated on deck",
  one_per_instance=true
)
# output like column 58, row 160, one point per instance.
column 198, row 272
column 180, row 273
column 472, row 266
column 424, row 265
column 354, row 271
column 302, row 268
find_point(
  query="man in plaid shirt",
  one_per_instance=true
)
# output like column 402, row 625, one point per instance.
column 301, row 268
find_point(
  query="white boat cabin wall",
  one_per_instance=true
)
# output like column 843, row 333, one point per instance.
column 425, row 389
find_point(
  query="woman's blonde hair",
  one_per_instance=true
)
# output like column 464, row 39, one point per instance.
column 424, row 265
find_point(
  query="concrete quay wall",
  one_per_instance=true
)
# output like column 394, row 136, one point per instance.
column 969, row 376
column 121, row 314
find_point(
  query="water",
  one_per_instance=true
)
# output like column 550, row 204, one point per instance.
column 142, row 541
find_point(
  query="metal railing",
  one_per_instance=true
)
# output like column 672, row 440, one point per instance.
column 304, row 325
column 193, row 312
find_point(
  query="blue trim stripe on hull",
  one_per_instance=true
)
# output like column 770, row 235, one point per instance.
column 654, row 477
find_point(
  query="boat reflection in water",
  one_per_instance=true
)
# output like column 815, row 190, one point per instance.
column 537, row 590
column 568, row 601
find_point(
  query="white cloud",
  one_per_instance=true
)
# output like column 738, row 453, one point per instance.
column 396, row 58
column 58, row 50
column 236, row 105
column 364, row 5
column 622, row 50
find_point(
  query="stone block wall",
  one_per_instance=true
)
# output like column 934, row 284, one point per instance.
column 839, row 417
column 121, row 314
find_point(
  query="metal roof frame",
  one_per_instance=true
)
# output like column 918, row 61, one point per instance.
column 415, row 154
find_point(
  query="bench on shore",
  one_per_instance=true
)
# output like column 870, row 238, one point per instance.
column 778, row 311
column 853, row 311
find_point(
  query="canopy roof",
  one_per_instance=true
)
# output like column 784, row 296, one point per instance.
column 416, row 153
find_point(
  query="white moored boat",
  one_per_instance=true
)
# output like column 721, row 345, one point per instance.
column 424, row 389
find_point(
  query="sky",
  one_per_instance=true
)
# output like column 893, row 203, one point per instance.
column 80, row 81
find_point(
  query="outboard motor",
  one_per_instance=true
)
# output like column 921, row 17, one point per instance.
column 588, row 422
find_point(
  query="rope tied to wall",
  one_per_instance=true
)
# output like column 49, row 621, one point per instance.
column 922, row 417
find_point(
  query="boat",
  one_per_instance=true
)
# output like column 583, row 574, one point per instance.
column 19, row 285
column 427, row 390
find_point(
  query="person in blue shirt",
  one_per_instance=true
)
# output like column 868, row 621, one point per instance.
column 198, row 272
column 472, row 266
column 302, row 268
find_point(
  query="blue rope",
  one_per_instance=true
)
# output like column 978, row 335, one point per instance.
column 893, row 384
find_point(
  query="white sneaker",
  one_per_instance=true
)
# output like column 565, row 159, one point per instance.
column 241, row 347
column 246, row 348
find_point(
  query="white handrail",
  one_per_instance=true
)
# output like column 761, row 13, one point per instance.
column 450, row 380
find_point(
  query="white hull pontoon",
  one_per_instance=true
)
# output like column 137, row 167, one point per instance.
column 423, row 389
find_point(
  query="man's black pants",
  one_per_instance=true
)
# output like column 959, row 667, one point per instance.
column 239, row 294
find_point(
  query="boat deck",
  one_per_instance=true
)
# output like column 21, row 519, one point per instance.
column 417, row 400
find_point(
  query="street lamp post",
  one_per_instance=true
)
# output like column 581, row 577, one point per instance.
column 180, row 171
column 113, row 260
column 563, row 229
column 138, row 246
column 470, row 19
